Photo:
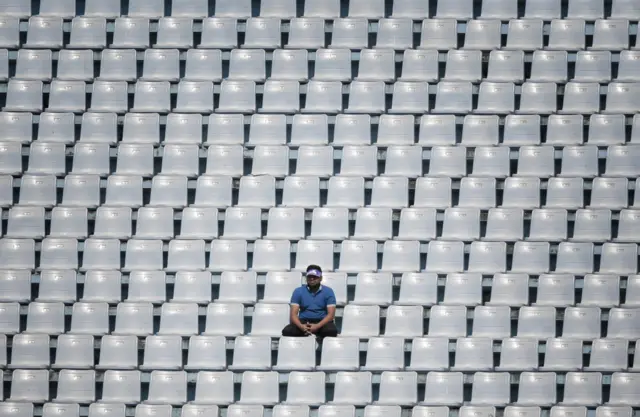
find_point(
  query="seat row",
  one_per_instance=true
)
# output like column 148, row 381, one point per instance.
column 310, row 33
column 358, row 321
column 287, row 410
column 426, row 354
column 50, row 158
column 420, row 224
column 368, row 97
column 415, row 289
column 355, row 256
column 462, row 9
column 286, row 9
column 322, row 97
column 309, row 388
column 418, row 65
column 314, row 129
column 303, row 191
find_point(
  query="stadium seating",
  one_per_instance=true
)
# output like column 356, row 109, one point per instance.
column 466, row 173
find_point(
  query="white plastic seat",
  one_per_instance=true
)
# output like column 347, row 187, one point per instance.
column 353, row 388
column 461, row 223
column 626, row 391
column 358, row 256
column 437, row 130
column 57, row 286
column 31, row 351
column 99, row 128
column 575, row 257
column 448, row 321
column 352, row 129
column 606, row 129
column 477, row 193
column 147, row 286
column 270, row 160
column 628, row 65
column 131, row 32
column 537, row 389
column 395, row 33
column 30, row 386
column 15, row 287
column 537, row 322
column 510, row 289
column 448, row 161
column 186, row 255
column 443, row 389
column 496, row 98
column 262, row 32
column 374, row 289
column 583, row 388
column 565, row 193
column 549, row 66
column 538, row 97
column 203, row 64
column 621, row 161
column 167, row 387
column 373, row 223
column 44, row 32
column 109, row 96
column 224, row 319
column 581, row 97
column 445, row 256
column 76, row 352
column 339, row 353
column 345, row 191
column 618, row 258
column 350, row 33
column 306, row 33
column 252, row 353
column 360, row 321
column 121, row 387
column 259, row 388
column 453, row 97
column 306, row 388
column 269, row 319
column 219, row 32
column 629, row 222
column 271, row 255
column 206, row 353
column 296, row 354
column 225, row 160
column 404, row 161
column 228, row 255
column 319, row 252
column 162, row 352
column 24, row 96
column 567, row 34
column 174, row 32
column 192, row 287
column 525, row 34
column 473, row 354
column 376, row 65
column 483, row 34
column 301, row 191
column 490, row 388
column 593, row 66
column 492, row 322
column 562, row 355
column 237, row 97
column 332, row 65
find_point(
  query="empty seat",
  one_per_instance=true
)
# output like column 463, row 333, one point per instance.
column 237, row 97
column 44, row 32
column 281, row 96
column 593, row 66
column 628, row 65
column 618, row 258
column 567, row 34
column 583, row 388
column 225, row 160
column 131, row 32
column 345, row 191
column 134, row 319
column 109, row 96
column 168, row 191
column 490, row 388
column 537, row 388
column 473, row 354
column 509, row 290
column 538, row 98
column 376, row 65
column 353, row 388
column 339, row 354
column 167, row 387
column 575, row 257
column 269, row 319
column 259, row 388
column 537, row 322
column 262, row 32
column 57, row 285
column 290, row 65
column 31, row 351
column 444, row 389
column 271, row 255
column 463, row 65
column 581, row 98
column 306, row 388
column 203, row 64
column 323, row 97
column 180, row 159
column 395, row 33
column 332, row 65
column 306, row 33
column 24, row 96
column 31, row 386
column 483, row 34
column 286, row 223
column 562, row 355
column 174, row 32
column 228, row 255
column 184, row 128
column 453, row 97
column 301, row 191
column 350, row 33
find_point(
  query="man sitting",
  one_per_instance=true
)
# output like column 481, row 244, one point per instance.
column 313, row 308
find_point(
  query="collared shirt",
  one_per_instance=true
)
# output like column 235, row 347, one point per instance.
column 313, row 305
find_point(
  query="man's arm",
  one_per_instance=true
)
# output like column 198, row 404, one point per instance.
column 293, row 317
column 295, row 310
column 331, row 313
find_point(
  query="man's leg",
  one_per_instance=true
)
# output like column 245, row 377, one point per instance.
column 291, row 330
column 328, row 330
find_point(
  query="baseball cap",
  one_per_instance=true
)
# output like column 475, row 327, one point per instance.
column 314, row 270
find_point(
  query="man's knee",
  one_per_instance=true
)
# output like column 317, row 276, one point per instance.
column 330, row 330
column 290, row 331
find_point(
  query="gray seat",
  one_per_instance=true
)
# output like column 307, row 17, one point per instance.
column 610, row 34
column 109, row 96
column 281, row 97
column 410, row 97
column 453, row 97
column 44, row 32
column 285, row 9
column 196, row 9
column 237, row 97
column 219, row 32
column 567, row 34
column 483, row 34
column 88, row 32
column 152, row 97
column 290, row 65
column 175, row 32
column 247, row 65
column 152, row 9
column 498, row 9
column 538, row 98
column 585, row 9
column 34, row 64
column 395, row 33
column 332, row 65
column 262, row 32
column 439, row 34
column 376, row 65
column 628, row 66
column 75, row 65
column 24, row 96
column 109, row 9
column 131, row 32
column 306, row 33
column 350, row 33
column 118, row 65
column 161, row 65
column 67, row 96
column 463, row 65
column 203, row 65
column 581, row 98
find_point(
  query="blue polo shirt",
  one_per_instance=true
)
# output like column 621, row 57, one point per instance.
column 313, row 306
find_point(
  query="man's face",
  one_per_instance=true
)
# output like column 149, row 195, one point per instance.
column 313, row 281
